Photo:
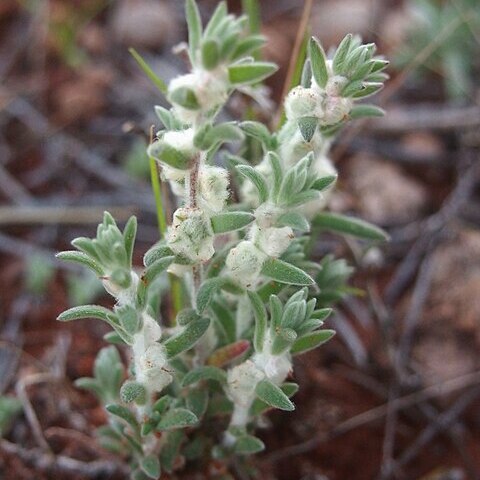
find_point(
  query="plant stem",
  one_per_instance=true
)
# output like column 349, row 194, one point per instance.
column 191, row 200
column 192, row 184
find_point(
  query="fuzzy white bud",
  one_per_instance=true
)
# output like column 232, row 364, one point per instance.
column 276, row 367
column 302, row 102
column 336, row 109
column 335, row 85
column 152, row 368
column 210, row 88
column 124, row 296
column 245, row 263
column 191, row 235
column 181, row 140
column 273, row 240
column 176, row 178
column 241, row 382
column 266, row 215
column 213, row 182
column 150, row 360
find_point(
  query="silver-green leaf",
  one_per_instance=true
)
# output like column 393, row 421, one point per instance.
column 284, row 272
column 187, row 338
column 273, row 395
column 247, row 73
column 231, row 221
column 318, row 62
column 150, row 465
column 311, row 340
column 349, row 226
column 248, row 445
column 177, row 418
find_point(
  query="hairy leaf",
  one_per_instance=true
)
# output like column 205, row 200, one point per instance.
column 186, row 339
column 311, row 340
column 248, row 445
column 286, row 272
column 324, row 182
column 247, row 73
column 171, row 156
column 85, row 311
column 319, row 63
column 307, row 126
column 150, row 465
column 260, row 314
column 124, row 413
column 349, row 226
column 256, row 178
column 177, row 418
column 82, row 259
column 207, row 291
column 210, row 53
column 185, row 97
column 231, row 221
column 365, row 110
column 294, row 220
column 194, row 23
column 272, row 395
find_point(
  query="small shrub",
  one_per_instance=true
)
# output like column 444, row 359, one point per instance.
column 198, row 383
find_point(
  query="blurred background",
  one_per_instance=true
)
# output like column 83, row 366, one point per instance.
column 397, row 393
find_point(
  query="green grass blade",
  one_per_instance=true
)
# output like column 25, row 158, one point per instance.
column 154, row 78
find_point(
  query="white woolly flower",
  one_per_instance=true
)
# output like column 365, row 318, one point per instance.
column 266, row 215
column 181, row 140
column 124, row 296
column 171, row 174
column 335, row 85
column 175, row 178
column 276, row 367
column 245, row 262
column 210, row 88
column 213, row 183
column 149, row 333
column 302, row 102
column 243, row 316
column 336, row 109
column 241, row 382
column 191, row 235
column 326, row 104
column 152, row 368
column 274, row 240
